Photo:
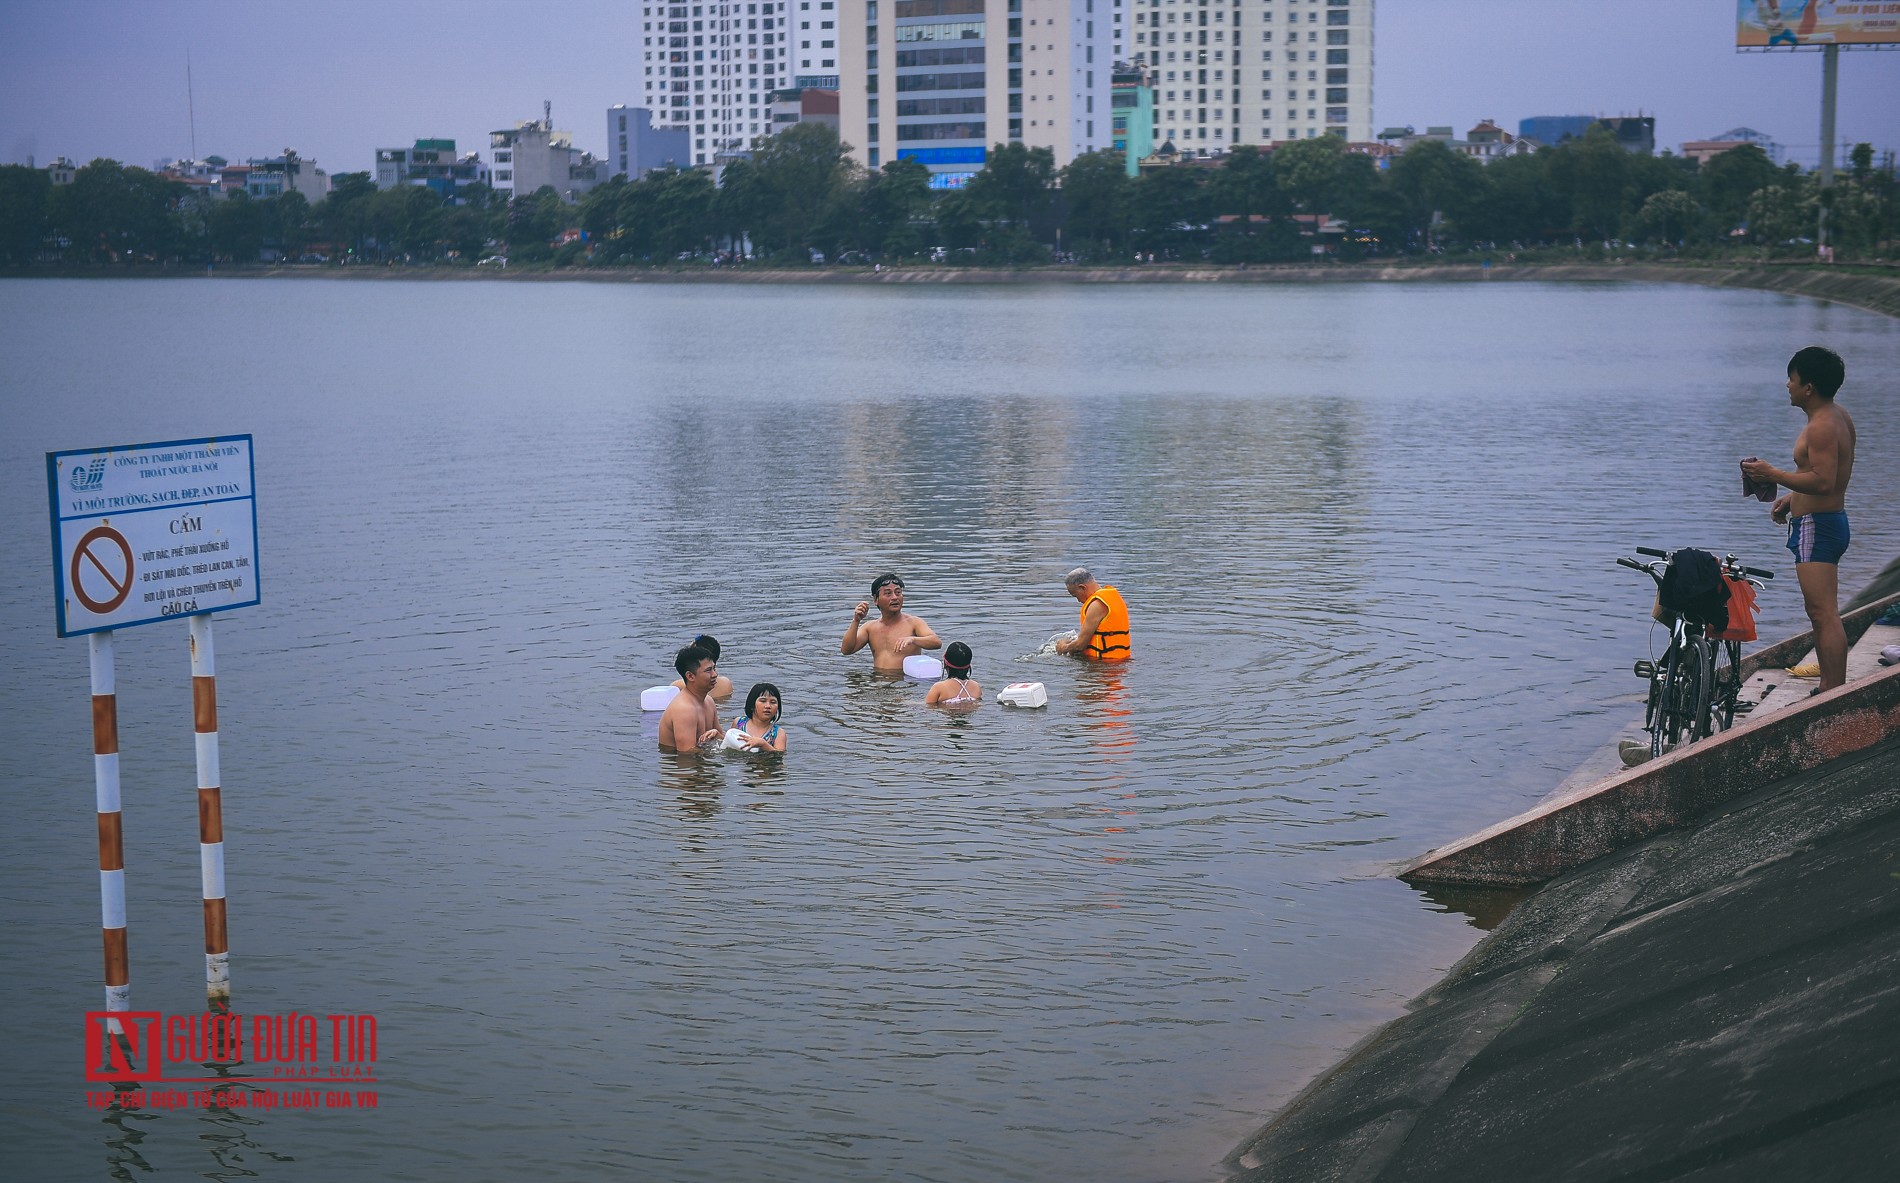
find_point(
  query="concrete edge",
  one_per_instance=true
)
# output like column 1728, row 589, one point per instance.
column 1782, row 653
column 1663, row 794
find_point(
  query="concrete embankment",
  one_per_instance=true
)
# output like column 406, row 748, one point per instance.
column 1873, row 287
column 1719, row 1000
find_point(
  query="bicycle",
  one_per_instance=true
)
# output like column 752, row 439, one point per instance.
column 1693, row 687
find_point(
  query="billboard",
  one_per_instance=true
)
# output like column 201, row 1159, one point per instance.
column 1791, row 24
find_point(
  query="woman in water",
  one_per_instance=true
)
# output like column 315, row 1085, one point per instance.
column 957, row 688
column 760, row 721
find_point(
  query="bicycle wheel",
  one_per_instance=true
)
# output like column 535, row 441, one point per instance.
column 1672, row 712
column 1697, row 682
column 1655, row 710
column 1725, row 683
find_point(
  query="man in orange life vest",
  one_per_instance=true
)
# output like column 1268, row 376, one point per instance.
column 1103, row 635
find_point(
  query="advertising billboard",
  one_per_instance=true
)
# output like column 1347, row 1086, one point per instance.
column 1792, row 24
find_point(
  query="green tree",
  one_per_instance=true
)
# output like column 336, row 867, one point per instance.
column 1308, row 171
column 1096, row 190
column 111, row 212
column 1594, row 173
column 1669, row 215
column 893, row 199
column 343, row 216
column 236, row 228
column 1013, row 184
column 1518, row 203
column 1730, row 179
column 1170, row 209
column 1429, row 180
column 25, row 205
column 807, row 180
column 1782, row 212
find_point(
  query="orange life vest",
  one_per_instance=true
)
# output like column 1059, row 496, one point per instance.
column 1111, row 639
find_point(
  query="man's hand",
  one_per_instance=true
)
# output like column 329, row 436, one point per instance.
column 1761, row 470
column 715, row 733
column 1779, row 514
column 860, row 612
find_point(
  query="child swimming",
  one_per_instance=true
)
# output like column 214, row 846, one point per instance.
column 957, row 687
column 760, row 721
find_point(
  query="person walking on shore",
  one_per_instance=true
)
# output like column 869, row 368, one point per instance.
column 1815, row 506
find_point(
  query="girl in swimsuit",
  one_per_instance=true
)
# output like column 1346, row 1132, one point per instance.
column 957, row 688
column 760, row 721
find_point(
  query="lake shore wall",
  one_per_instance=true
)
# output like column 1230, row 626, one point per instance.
column 1873, row 287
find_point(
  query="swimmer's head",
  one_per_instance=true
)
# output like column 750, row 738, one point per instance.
column 888, row 579
column 1079, row 582
column 956, row 658
column 690, row 659
column 709, row 644
column 763, row 690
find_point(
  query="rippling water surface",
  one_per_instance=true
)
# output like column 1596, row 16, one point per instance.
column 1365, row 532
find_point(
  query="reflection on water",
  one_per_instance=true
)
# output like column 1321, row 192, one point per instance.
column 1366, row 538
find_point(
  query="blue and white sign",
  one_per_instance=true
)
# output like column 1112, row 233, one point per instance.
column 146, row 532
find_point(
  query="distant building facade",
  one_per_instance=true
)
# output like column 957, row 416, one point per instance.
column 1634, row 133
column 1131, row 103
column 1702, row 151
column 431, row 164
column 636, row 145
column 533, row 154
column 273, row 176
column 794, row 105
column 709, row 69
column 1554, row 129
column 1259, row 72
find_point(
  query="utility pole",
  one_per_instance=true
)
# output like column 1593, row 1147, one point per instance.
column 1830, row 78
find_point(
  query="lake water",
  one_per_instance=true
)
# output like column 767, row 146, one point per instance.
column 1366, row 533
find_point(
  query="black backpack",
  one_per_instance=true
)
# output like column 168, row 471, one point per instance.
column 1692, row 587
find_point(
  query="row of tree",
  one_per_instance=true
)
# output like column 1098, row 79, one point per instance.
column 801, row 192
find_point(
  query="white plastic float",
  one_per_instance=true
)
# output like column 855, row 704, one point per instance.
column 923, row 666
column 656, row 698
column 735, row 739
column 1023, row 694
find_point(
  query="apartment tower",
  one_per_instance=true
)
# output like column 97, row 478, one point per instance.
column 1232, row 72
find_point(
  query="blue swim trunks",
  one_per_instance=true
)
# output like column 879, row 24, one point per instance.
column 1818, row 537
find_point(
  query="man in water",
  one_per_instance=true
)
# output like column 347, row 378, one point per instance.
column 691, row 719
column 1815, row 506
column 894, row 635
column 1103, row 634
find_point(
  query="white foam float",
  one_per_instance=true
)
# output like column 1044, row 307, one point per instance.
column 656, row 698
column 1023, row 694
column 735, row 739
column 922, row 665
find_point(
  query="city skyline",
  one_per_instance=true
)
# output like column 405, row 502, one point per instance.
column 338, row 82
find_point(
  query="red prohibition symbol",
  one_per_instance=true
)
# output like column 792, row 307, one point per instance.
column 95, row 549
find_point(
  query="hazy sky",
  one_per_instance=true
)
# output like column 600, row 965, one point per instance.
column 336, row 79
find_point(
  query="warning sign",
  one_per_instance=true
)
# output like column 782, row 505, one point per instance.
column 151, row 531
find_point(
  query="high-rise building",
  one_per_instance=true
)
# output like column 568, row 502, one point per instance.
column 1232, row 72
column 943, row 81
column 710, row 69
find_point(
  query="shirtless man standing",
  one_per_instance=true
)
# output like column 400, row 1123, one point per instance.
column 894, row 635
column 1815, row 507
column 691, row 719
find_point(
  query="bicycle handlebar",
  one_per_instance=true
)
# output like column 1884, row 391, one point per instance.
column 1757, row 571
column 1630, row 563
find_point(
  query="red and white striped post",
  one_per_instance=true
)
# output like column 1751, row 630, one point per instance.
column 204, row 720
column 105, row 778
